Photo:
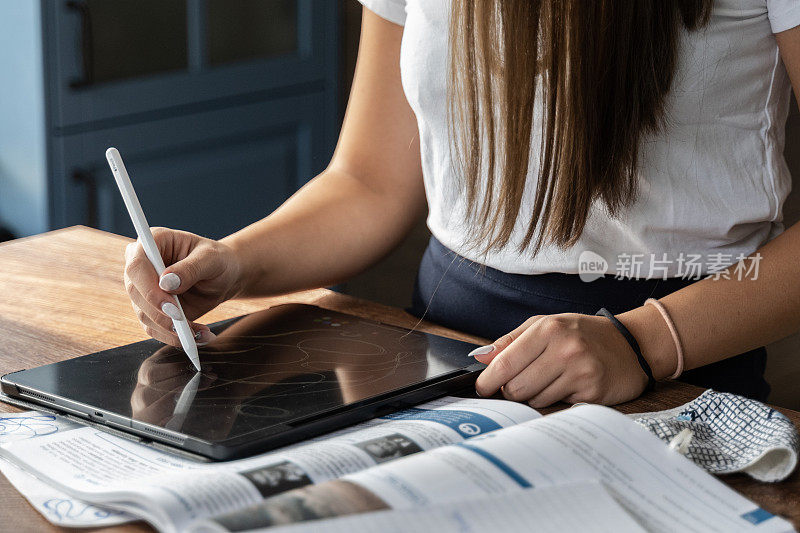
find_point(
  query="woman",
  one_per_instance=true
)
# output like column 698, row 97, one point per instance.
column 554, row 140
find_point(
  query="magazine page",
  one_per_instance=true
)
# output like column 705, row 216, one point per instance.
column 57, row 507
column 660, row 488
column 544, row 510
column 170, row 491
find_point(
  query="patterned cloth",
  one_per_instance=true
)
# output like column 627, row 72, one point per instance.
column 730, row 434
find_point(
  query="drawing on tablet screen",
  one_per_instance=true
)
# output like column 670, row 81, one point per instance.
column 294, row 365
column 269, row 360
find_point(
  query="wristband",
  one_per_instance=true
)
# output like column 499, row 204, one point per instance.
column 651, row 382
column 672, row 331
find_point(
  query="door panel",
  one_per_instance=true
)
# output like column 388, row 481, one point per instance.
column 130, row 38
column 242, row 30
column 212, row 191
column 140, row 92
column 210, row 173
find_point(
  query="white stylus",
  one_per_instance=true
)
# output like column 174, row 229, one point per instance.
column 150, row 249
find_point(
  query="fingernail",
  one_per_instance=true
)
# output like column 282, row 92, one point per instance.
column 171, row 310
column 204, row 337
column 199, row 329
column 483, row 350
column 169, row 282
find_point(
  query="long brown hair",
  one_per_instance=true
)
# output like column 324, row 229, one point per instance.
column 602, row 68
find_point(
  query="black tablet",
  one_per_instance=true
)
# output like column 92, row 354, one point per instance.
column 269, row 379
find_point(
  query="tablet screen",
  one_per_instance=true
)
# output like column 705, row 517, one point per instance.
column 272, row 367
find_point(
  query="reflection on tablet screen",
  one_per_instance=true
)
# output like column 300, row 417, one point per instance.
column 271, row 367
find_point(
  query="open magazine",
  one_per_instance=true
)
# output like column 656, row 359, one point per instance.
column 445, row 453
column 658, row 487
column 585, row 507
column 79, row 476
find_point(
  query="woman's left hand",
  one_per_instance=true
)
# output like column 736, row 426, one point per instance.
column 567, row 357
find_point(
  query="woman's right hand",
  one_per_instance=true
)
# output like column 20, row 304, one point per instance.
column 204, row 272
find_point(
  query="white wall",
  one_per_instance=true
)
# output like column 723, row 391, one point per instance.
column 23, row 182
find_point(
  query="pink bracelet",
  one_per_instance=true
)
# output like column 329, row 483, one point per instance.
column 673, row 331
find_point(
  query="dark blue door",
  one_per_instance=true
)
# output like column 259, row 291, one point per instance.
column 221, row 108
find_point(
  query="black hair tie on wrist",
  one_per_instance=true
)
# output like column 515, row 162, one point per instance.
column 651, row 382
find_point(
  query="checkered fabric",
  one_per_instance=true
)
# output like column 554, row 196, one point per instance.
column 731, row 434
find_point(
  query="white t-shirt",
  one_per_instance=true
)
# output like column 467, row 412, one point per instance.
column 712, row 183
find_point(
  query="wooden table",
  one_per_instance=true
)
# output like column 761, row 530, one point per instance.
column 61, row 295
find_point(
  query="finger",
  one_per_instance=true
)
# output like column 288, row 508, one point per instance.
column 503, row 342
column 155, row 409
column 152, row 393
column 513, row 359
column 485, row 356
column 202, row 333
column 144, row 309
column 149, row 394
column 158, row 333
column 161, row 319
column 178, row 379
column 152, row 374
column 536, row 377
column 203, row 262
column 556, row 391
column 137, row 399
column 141, row 276
column 172, row 243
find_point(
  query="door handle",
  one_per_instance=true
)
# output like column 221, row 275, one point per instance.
column 87, row 43
column 89, row 182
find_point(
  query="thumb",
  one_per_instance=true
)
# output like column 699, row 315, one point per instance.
column 199, row 265
column 485, row 354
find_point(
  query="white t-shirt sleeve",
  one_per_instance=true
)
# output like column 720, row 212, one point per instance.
column 783, row 14
column 391, row 10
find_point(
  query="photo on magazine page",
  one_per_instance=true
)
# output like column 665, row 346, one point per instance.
column 389, row 447
column 277, row 478
column 314, row 502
